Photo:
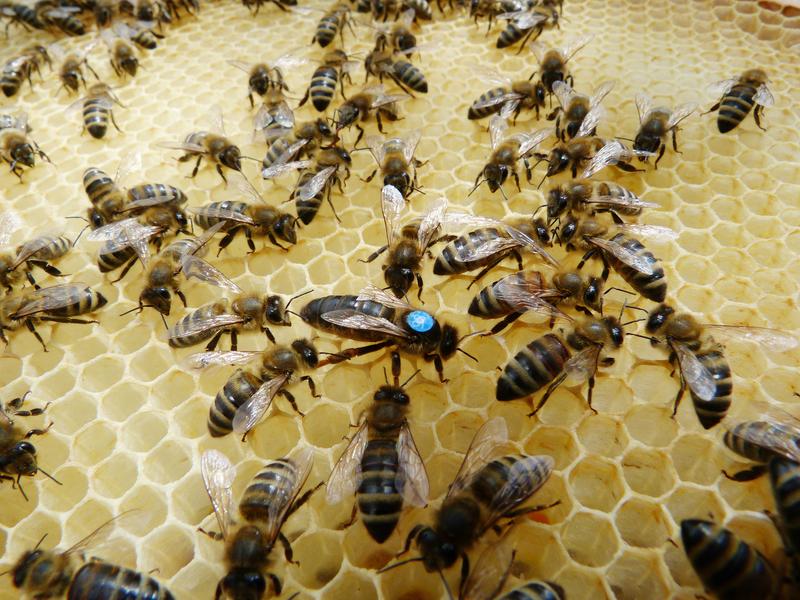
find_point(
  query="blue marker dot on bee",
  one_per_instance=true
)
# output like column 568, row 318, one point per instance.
column 420, row 321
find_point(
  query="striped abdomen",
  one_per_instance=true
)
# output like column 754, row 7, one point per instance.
column 422, row 10
column 411, row 76
column 532, row 368
column 485, row 111
column 379, row 500
column 327, row 28
column 96, row 114
column 529, row 473
column 236, row 391
column 178, row 336
column 313, row 312
column 489, row 302
column 534, row 590
column 451, row 260
column 278, row 148
column 167, row 194
column 308, row 209
column 12, row 77
column 111, row 261
column 78, row 300
column 145, row 39
column 711, row 412
column 784, row 476
column 206, row 220
column 735, row 106
column 323, row 87
column 68, row 24
column 54, row 247
column 270, row 489
column 651, row 286
column 755, row 440
column 96, row 580
column 727, row 566
column 510, row 35
column 618, row 192
column 102, row 191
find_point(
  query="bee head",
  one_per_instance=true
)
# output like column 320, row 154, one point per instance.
column 392, row 394
column 615, row 330
column 21, row 460
column 323, row 129
column 275, row 311
column 558, row 161
column 592, row 293
column 23, row 153
column 557, row 200
column 437, row 553
column 345, row 115
column 159, row 297
column 307, row 352
column 495, row 176
column 129, row 64
column 399, row 180
column 70, row 80
column 284, row 228
column 572, row 128
column 658, row 318
column 96, row 219
column 231, row 157
column 399, row 279
column 568, row 231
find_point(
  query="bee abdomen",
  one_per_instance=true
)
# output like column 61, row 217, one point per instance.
column 532, row 368
column 171, row 194
column 411, row 76
column 451, row 260
column 308, row 209
column 379, row 500
column 323, row 87
column 95, row 117
column 753, row 440
column 652, row 286
column 79, row 300
column 734, row 107
column 422, row 9
column 510, row 35
column 180, row 339
column 487, row 304
column 205, row 221
column 56, row 247
column 276, row 149
column 236, row 391
column 485, row 111
column 102, row 580
column 11, row 81
column 327, row 29
column 534, row 590
column 98, row 185
column 529, row 472
column 785, row 478
column 711, row 412
column 271, row 486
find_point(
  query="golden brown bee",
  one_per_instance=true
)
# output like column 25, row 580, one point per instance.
column 17, row 454
column 96, row 107
column 366, row 102
column 509, row 98
column 398, row 38
column 17, row 148
column 774, row 435
column 553, row 62
column 593, row 153
column 70, row 72
column 142, row 34
column 304, row 140
column 146, row 10
column 738, row 95
column 526, row 25
column 580, row 113
column 335, row 68
column 20, row 14
column 266, row 503
column 395, row 158
column 263, row 77
column 274, row 117
column 20, row 68
column 331, row 23
column 122, row 54
column 53, row 16
column 39, row 252
column 214, row 146
column 330, row 168
column 656, row 124
column 381, row 63
column 585, row 196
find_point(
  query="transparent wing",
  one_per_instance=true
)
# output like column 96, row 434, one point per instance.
column 497, row 130
column 388, row 99
column 455, row 219
column 486, row 249
column 509, row 107
column 121, row 234
column 583, row 365
column 600, row 93
column 406, row 18
column 193, row 266
column 288, row 154
column 263, row 118
column 564, row 93
column 722, row 87
column 698, row 378
column 763, row 96
column 526, row 19
column 519, row 485
column 483, row 449
column 185, row 146
column 204, row 360
column 377, row 294
column 301, row 459
column 591, row 121
column 346, row 475
column 31, row 247
column 215, row 212
column 290, row 60
column 130, row 163
column 50, row 298
column 412, row 478
column 253, row 410
column 680, row 113
column 506, row 98
column 284, row 116
column 392, row 206
column 644, row 104
column 99, row 536
column 243, row 186
column 410, row 141
column 490, row 573
column 526, row 291
column 653, row 232
column 627, row 201
column 375, row 145
column 568, row 51
column 492, row 77
column 431, row 223
column 314, row 185
column 781, row 437
column 196, row 326
column 355, row 320
column 9, row 223
column 279, row 168
column 215, row 119
column 628, row 257
column 610, row 154
column 218, row 476
column 530, row 244
column 774, row 340
column 241, row 65
column 529, row 141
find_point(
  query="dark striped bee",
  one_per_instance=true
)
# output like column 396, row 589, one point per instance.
column 17, row 148
column 379, row 317
column 39, row 252
column 266, row 503
column 140, row 33
column 247, row 312
column 382, row 10
column 486, row 489
column 593, row 153
column 103, row 12
column 398, row 37
column 526, row 25
column 333, row 22
column 106, row 194
column 264, row 77
column 57, row 304
column 71, row 70
column 55, row 16
column 553, row 62
column 274, row 117
column 360, row 106
column 784, row 476
column 772, row 435
column 656, row 124
column 21, row 67
column 96, row 107
column 381, row 63
column 395, row 158
column 738, row 95
column 702, row 364
column 507, row 151
column 146, row 10
column 22, row 15
column 52, row 574
column 304, row 140
column 406, row 245
column 728, row 567
column 122, row 54
column 547, row 360
column 381, row 465
column 508, row 98
column 335, row 68
column 246, row 397
column 575, row 108
column 17, row 454
column 585, row 196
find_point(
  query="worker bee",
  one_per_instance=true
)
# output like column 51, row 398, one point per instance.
column 55, row 16
column 140, row 33
column 487, row 488
column 39, row 252
column 304, row 140
column 122, row 54
column 263, row 77
column 103, row 12
column 702, row 364
column 21, row 67
column 17, row 454
column 507, row 98
column 266, row 503
column 406, row 245
column 553, row 62
column 247, row 312
column 727, row 566
column 145, row 195
column 254, row 5
column 526, row 25
column 593, row 153
column 71, row 70
column 57, row 304
column 773, row 435
column 507, row 150
column 381, row 465
column 656, row 125
column 398, row 38
column 106, row 194
column 379, row 317
column 335, row 68
column 576, row 108
column 17, row 148
column 146, row 10
column 246, row 397
column 333, row 22
column 737, row 97
column 22, row 15
column 395, row 158
column 96, row 107
column 584, row 196
column 274, row 117
column 256, row 218
column 52, row 574
column 783, row 476
column 487, row 245
column 381, row 63
column 547, row 360
column 368, row 101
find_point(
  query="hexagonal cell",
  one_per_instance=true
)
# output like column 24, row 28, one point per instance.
column 555, row 442
column 584, row 583
column 320, row 554
column 695, row 503
column 643, row 523
column 651, row 425
column 115, row 476
column 590, row 539
column 539, row 551
column 413, row 583
column 169, row 548
column 123, row 400
column 74, row 483
column 102, row 373
column 168, row 462
column 148, row 510
column 696, row 459
column 94, row 443
column 596, row 483
column 638, row 575
column 648, row 472
column 353, row 585
column 603, row 435
column 323, row 425
column 143, row 431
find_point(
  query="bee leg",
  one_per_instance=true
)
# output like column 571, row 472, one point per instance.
column 196, row 165
column 290, row 398
column 349, row 353
column 489, row 267
column 287, row 549
column 125, row 270
column 114, row 121
column 713, row 108
column 590, row 392
column 675, row 140
column 374, row 255
column 528, row 172
column 248, row 234
column 550, row 389
column 328, row 199
column 221, row 174
column 29, row 324
column 757, row 116
column 214, row 535
column 525, row 510
column 508, row 320
column 419, row 288
column 311, row 386
column 227, row 239
column 746, row 474
column 372, row 175
column 525, row 39
column 361, row 133
column 234, row 340
column 214, row 341
column 304, row 99
column 46, row 267
column 679, row 396
column 34, row 432
column 464, row 574
column 660, row 154
column 412, row 535
column 277, row 586
column 181, row 295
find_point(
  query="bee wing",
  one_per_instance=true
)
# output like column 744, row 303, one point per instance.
column 220, row 213
column 406, row 18
column 509, row 98
column 375, row 145
column 773, row 340
column 600, row 93
column 252, row 411
column 218, row 476
column 488, row 248
column 388, row 99
column 124, row 234
column 302, row 459
column 355, row 320
column 290, row 60
column 216, row 120
column 263, row 118
column 564, row 93
column 410, row 140
column 194, row 266
column 196, row 326
column 99, row 536
column 568, row 51
column 204, row 360
column 392, row 206
column 109, row 37
column 31, row 247
column 591, row 120
column 680, row 113
column 346, row 474
column 528, row 294
column 694, row 373
column 130, row 162
column 527, row 19
column 482, row 450
column 510, row 106
column 517, row 488
column 531, row 244
column 631, row 201
column 654, row 232
column 185, row 146
column 411, row 478
column 624, row 255
column 763, row 96
column 722, row 87
column 493, row 77
column 644, row 104
column 278, row 168
column 431, row 223
column 313, row 186
column 284, row 116
column 49, row 298
column 497, row 130
column 9, row 223
column 290, row 153
column 609, row 154
column 583, row 365
column 488, row 576
column 243, row 186
column 781, row 437
column 459, row 220
column 376, row 294
column 529, row 141
column 241, row 65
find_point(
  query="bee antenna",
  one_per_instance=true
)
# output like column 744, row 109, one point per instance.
column 139, row 308
column 542, row 181
column 632, row 322
column 22, row 491
column 291, row 312
column 469, row 335
column 46, row 474
column 385, row 376
column 477, row 185
column 464, row 352
column 652, row 340
column 414, row 374
column 80, row 233
column 503, row 192
column 251, row 158
column 538, row 208
column 398, row 564
column 294, row 297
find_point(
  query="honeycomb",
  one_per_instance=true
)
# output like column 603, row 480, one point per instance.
column 129, row 422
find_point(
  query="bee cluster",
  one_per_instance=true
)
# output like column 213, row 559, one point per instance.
column 584, row 275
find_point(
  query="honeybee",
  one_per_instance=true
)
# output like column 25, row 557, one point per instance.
column 145, row 195
column 17, row 454
column 359, row 107
column 398, row 37
column 57, row 304
column 783, row 476
column 488, row 487
column 381, row 465
column 71, row 70
column 52, row 574
column 256, row 218
column 274, row 117
column 656, row 125
column 737, row 97
column 22, row 15
column 576, row 108
column 103, row 12
column 507, row 98
column 585, row 196
column 267, row 502
column 304, row 140
column 17, row 148
column 247, row 312
column 526, row 25
column 333, row 22
column 19, row 68
column 383, row 9
column 106, row 194
column 36, row 252
column 141, row 33
column 772, row 436
column 263, row 77
column 54, row 16
column 727, row 566
column 335, row 68
column 507, row 150
column 254, row 5
column 381, row 63
column 406, row 245
column 122, row 54
column 96, row 107
column 330, row 167
column 146, row 10
column 395, row 158
column 700, row 359
column 593, row 153
column 246, row 397
column 379, row 317
column 553, row 62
